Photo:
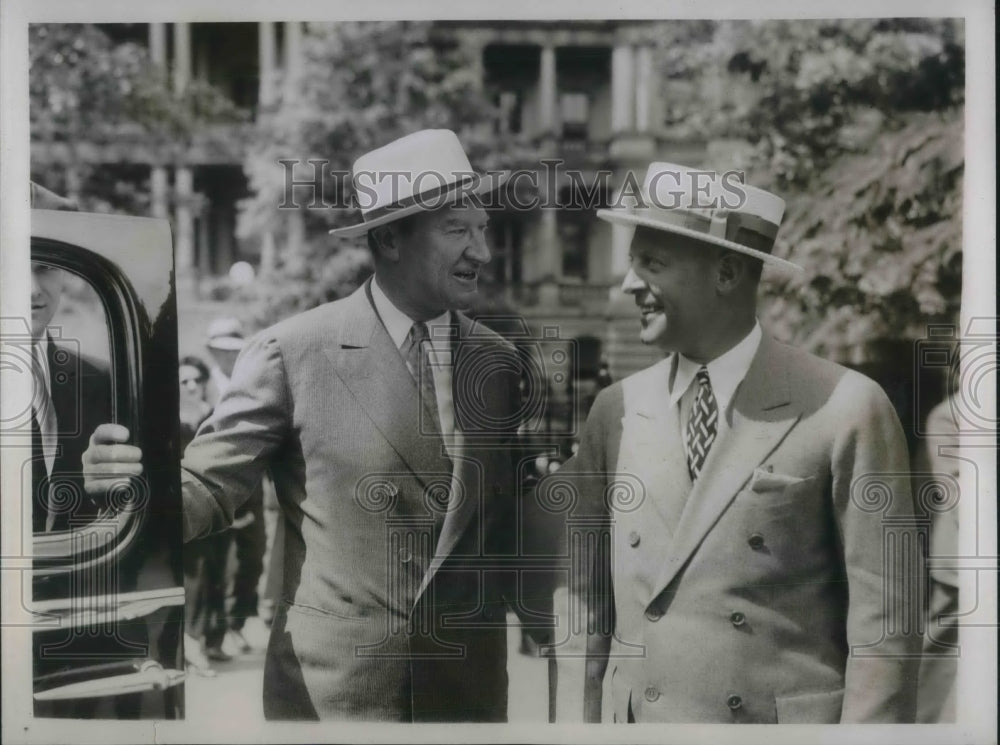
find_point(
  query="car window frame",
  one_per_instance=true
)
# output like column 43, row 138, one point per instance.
column 105, row 539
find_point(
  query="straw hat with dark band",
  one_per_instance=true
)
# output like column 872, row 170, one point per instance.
column 423, row 170
column 708, row 207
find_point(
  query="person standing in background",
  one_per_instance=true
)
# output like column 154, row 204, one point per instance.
column 204, row 559
column 249, row 537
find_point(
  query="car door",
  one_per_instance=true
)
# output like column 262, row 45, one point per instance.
column 107, row 576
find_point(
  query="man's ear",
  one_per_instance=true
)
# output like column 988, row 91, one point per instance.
column 384, row 243
column 732, row 269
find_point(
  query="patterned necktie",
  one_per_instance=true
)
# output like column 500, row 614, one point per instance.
column 416, row 351
column 702, row 425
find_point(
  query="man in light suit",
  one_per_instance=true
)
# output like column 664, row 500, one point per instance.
column 387, row 420
column 760, row 566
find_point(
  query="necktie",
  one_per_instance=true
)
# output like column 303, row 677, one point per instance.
column 43, row 435
column 39, row 479
column 702, row 425
column 416, row 351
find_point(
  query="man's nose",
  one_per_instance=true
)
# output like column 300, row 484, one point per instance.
column 632, row 282
column 36, row 288
column 479, row 248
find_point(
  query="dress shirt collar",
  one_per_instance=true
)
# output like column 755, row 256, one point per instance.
column 726, row 371
column 398, row 324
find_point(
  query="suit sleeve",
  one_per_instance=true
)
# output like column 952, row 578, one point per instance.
column 225, row 462
column 583, row 655
column 875, row 516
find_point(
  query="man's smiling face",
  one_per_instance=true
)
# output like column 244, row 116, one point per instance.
column 440, row 258
column 672, row 281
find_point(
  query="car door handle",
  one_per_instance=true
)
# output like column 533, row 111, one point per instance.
column 151, row 676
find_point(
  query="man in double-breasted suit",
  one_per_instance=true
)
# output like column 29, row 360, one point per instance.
column 763, row 563
column 386, row 420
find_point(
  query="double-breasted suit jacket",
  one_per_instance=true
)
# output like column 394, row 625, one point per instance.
column 388, row 610
column 783, row 586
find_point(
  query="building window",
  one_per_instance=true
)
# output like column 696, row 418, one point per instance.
column 574, row 113
column 573, row 234
column 505, row 245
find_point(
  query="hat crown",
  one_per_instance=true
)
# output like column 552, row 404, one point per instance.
column 672, row 186
column 418, row 163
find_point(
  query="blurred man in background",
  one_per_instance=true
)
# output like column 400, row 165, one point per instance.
column 205, row 620
column 72, row 396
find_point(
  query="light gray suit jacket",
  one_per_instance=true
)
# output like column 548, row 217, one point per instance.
column 387, row 611
column 784, row 586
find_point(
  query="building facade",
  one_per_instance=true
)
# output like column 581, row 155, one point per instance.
column 584, row 94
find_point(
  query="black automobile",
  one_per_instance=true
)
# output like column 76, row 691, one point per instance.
column 107, row 579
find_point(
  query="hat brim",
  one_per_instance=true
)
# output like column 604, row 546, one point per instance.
column 485, row 185
column 634, row 218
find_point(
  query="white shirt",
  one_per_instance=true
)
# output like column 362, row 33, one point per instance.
column 398, row 324
column 725, row 372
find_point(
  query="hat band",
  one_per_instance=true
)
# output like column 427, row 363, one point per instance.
column 736, row 227
column 435, row 196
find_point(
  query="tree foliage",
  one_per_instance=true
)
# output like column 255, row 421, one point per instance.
column 858, row 124
column 88, row 91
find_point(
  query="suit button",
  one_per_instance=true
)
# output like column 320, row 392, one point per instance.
column 734, row 702
column 405, row 555
column 652, row 694
column 633, row 539
column 756, row 541
column 737, row 618
column 653, row 614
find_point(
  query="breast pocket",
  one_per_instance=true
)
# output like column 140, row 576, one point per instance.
column 780, row 496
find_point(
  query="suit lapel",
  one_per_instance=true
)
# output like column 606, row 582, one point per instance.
column 371, row 367
column 651, row 447
column 65, row 387
column 762, row 413
column 474, row 406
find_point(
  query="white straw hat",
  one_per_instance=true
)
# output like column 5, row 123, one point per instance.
column 423, row 170
column 708, row 206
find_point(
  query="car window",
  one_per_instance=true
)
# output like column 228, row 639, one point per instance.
column 72, row 394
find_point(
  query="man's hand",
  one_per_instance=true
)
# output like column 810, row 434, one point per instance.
column 107, row 461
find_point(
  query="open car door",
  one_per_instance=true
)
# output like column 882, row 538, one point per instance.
column 107, row 577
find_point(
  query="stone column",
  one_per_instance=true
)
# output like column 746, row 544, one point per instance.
column 158, row 176
column 182, row 56
column 159, row 190
column 295, row 237
column 547, row 92
column 643, row 88
column 293, row 59
column 158, row 44
column 622, row 89
column 184, row 222
column 268, row 53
